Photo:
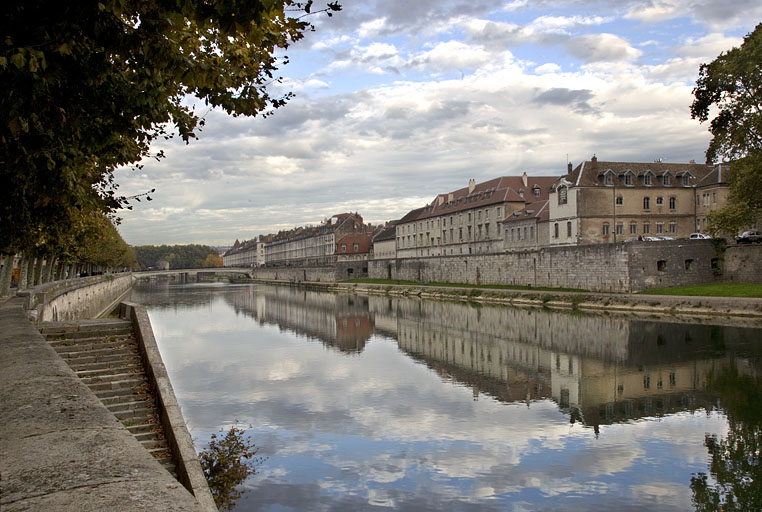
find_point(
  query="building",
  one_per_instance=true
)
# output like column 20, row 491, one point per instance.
column 353, row 247
column 312, row 245
column 604, row 202
column 467, row 220
column 527, row 228
column 712, row 193
column 385, row 243
column 249, row 253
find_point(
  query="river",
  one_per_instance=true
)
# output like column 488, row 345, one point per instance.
column 380, row 403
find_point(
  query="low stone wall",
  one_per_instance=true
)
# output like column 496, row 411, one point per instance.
column 296, row 274
column 621, row 268
column 72, row 299
column 743, row 263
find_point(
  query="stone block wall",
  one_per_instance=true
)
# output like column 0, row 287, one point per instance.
column 296, row 274
column 622, row 267
column 743, row 263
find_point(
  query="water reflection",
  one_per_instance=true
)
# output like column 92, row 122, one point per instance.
column 447, row 406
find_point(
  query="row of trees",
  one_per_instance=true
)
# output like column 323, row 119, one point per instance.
column 87, row 86
column 178, row 256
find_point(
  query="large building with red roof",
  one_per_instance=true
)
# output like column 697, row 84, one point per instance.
column 468, row 220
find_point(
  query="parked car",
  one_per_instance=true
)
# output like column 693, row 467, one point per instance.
column 700, row 236
column 748, row 237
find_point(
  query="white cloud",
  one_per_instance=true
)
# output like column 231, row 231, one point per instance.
column 602, row 47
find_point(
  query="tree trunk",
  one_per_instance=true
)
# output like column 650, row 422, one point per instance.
column 37, row 277
column 7, row 275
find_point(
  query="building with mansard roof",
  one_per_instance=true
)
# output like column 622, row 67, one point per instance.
column 605, row 202
column 468, row 220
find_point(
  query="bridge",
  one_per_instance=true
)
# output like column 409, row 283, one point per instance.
column 188, row 275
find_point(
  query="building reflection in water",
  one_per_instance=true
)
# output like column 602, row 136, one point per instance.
column 598, row 369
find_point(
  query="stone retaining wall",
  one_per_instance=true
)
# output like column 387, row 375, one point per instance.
column 743, row 263
column 622, row 267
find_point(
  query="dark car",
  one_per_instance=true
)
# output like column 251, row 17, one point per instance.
column 748, row 237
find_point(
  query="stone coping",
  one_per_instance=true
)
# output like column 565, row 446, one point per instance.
column 60, row 448
column 186, row 461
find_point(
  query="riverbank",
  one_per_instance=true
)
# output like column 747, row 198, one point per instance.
column 688, row 308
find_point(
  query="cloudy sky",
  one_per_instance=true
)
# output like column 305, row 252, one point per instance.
column 397, row 101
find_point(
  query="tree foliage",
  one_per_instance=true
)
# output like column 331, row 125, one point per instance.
column 178, row 256
column 87, row 86
column 227, row 462
column 212, row 261
column 731, row 85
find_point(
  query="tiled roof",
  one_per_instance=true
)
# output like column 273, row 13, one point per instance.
column 538, row 210
column 591, row 172
column 362, row 240
column 718, row 175
column 495, row 191
column 302, row 232
column 388, row 233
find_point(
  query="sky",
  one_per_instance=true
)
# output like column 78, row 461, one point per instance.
column 398, row 101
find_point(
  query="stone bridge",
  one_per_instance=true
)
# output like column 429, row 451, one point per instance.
column 189, row 275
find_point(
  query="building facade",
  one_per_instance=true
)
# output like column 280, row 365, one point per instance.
column 605, row 202
column 468, row 220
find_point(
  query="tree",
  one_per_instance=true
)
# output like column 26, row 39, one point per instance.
column 87, row 86
column 227, row 462
column 212, row 261
column 732, row 84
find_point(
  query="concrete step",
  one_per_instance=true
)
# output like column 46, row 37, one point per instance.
column 104, row 385
column 106, row 331
column 143, row 397
column 89, row 369
column 132, row 405
column 142, row 412
column 84, row 344
column 95, row 355
column 106, row 394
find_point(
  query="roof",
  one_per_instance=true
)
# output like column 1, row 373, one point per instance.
column 361, row 239
column 325, row 228
column 537, row 210
column 495, row 191
column 388, row 233
column 591, row 173
column 717, row 176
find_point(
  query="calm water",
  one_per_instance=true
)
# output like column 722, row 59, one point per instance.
column 378, row 403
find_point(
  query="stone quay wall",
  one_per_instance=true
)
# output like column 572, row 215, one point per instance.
column 621, row 268
column 743, row 263
column 325, row 274
column 85, row 297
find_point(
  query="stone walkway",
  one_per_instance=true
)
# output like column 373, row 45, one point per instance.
column 60, row 448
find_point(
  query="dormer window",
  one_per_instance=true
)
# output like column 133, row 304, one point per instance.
column 647, row 180
column 686, row 180
column 536, row 191
column 667, row 180
column 608, row 180
column 628, row 179
column 562, row 195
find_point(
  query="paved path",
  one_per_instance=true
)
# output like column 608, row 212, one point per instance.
column 60, row 448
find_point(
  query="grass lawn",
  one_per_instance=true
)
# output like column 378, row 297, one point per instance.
column 712, row 290
column 460, row 285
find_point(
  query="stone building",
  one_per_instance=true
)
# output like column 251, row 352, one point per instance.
column 385, row 243
column 249, row 253
column 604, row 202
column 312, row 245
column 353, row 247
column 527, row 228
column 467, row 220
column 711, row 194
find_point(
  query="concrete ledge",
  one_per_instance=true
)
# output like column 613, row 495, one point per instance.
column 60, row 448
column 186, row 461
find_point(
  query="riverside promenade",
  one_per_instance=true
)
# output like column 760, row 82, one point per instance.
column 60, row 448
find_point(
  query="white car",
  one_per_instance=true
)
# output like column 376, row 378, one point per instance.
column 700, row 236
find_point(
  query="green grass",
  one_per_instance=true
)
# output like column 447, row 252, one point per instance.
column 711, row 290
column 459, row 285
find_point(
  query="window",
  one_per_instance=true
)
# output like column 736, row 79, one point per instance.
column 498, row 212
column 660, row 227
column 486, row 229
column 469, row 232
column 486, row 215
column 511, row 234
column 444, row 237
column 698, row 201
column 608, row 180
column 555, row 229
column 660, row 200
column 647, row 180
column 469, row 216
column 568, row 229
column 450, row 220
column 460, row 233
column 531, row 232
column 686, row 180
column 518, row 233
column 525, row 233
column 562, row 195
column 714, row 197
column 619, row 228
column 479, row 215
column 356, row 247
column 605, row 229
column 633, row 228
column 628, row 179
column 672, row 203
column 343, row 247
column 536, row 192
column 646, row 203
column 666, row 179
column 619, row 200
column 673, row 227
column 661, row 265
column 646, row 228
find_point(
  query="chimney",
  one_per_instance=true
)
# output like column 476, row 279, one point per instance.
column 471, row 185
column 524, row 178
column 692, row 161
column 594, row 162
column 568, row 168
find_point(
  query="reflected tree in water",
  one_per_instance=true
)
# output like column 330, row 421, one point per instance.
column 227, row 462
column 735, row 467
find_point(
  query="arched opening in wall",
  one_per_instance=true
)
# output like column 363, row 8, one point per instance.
column 716, row 266
column 689, row 264
column 661, row 265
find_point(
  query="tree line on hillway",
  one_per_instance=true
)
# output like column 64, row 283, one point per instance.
column 177, row 256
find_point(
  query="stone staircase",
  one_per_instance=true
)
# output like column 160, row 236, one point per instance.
column 105, row 355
